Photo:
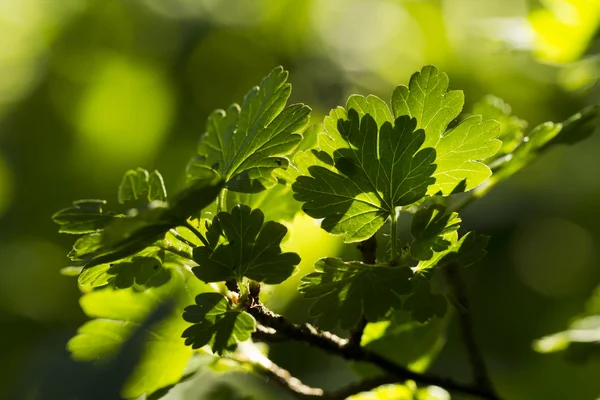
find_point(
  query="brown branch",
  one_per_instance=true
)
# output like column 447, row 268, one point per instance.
column 291, row 384
column 476, row 359
column 282, row 328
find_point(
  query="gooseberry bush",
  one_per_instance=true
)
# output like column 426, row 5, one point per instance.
column 390, row 177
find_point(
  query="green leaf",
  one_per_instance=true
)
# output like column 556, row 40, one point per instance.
column 466, row 251
column 429, row 228
column 245, row 144
column 85, row 216
column 118, row 313
column 139, row 184
column 243, row 245
column 343, row 291
column 542, row 138
column 512, row 128
column 422, row 303
column 581, row 340
column 367, row 168
column 142, row 227
column 216, row 322
column 459, row 150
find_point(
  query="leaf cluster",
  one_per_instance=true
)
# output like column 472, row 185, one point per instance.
column 208, row 248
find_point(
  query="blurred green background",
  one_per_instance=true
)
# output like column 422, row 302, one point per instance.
column 89, row 89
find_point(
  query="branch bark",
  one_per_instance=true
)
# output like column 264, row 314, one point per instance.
column 276, row 329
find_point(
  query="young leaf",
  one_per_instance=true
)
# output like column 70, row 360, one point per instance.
column 466, row 251
column 85, row 216
column 139, row 184
column 542, row 138
column 581, row 340
column 125, row 237
column 429, row 228
column 366, row 169
column 343, row 291
column 216, row 322
column 118, row 313
column 251, row 248
column 459, row 150
column 422, row 303
column 246, row 144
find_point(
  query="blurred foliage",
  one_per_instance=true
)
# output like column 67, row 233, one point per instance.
column 92, row 88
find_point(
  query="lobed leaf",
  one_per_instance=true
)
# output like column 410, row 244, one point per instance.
column 217, row 323
column 459, row 151
column 343, row 291
column 466, row 251
column 366, row 169
column 243, row 245
column 246, row 144
column 430, row 229
column 143, row 227
column 138, row 184
column 85, row 216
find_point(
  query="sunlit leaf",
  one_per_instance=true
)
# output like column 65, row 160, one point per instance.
column 459, row 151
column 367, row 168
column 118, row 313
column 245, row 144
column 85, row 216
column 139, row 184
column 512, row 128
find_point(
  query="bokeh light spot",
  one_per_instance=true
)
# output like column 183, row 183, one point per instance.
column 124, row 113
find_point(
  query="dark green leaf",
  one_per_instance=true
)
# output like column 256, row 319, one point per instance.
column 367, row 168
column 246, row 144
column 343, row 291
column 430, row 227
column 464, row 252
column 142, row 227
column 86, row 216
column 216, row 322
column 422, row 303
column 243, row 246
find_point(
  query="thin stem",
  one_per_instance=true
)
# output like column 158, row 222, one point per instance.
column 393, row 239
column 263, row 365
column 476, row 360
column 181, row 238
column 222, row 201
column 196, row 232
column 180, row 253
